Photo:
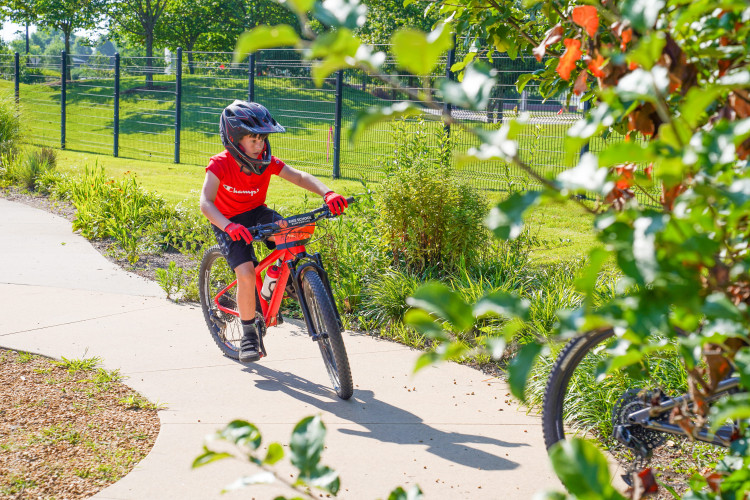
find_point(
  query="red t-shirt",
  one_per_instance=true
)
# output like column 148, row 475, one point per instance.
column 238, row 192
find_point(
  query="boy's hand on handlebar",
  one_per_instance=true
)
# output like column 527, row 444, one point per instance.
column 237, row 232
column 336, row 203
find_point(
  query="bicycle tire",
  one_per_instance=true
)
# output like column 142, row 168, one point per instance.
column 323, row 317
column 225, row 329
column 556, row 389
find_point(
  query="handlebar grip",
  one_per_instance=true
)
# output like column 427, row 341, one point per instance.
column 351, row 199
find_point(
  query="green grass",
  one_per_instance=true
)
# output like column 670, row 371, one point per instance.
column 147, row 125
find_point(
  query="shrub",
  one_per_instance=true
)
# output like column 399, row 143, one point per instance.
column 10, row 129
column 426, row 214
column 27, row 170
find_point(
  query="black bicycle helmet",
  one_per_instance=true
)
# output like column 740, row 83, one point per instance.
column 240, row 119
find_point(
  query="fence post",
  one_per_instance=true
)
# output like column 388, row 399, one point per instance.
column 337, row 125
column 251, row 78
column 178, row 107
column 585, row 147
column 117, row 105
column 17, row 78
column 448, row 107
column 64, row 72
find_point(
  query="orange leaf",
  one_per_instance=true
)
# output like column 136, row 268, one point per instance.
column 627, row 36
column 595, row 66
column 586, row 17
column 649, row 171
column 569, row 58
column 580, row 85
column 554, row 35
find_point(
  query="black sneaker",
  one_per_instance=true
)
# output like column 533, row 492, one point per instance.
column 250, row 349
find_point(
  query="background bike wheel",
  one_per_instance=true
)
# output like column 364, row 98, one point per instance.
column 579, row 403
column 215, row 275
column 323, row 317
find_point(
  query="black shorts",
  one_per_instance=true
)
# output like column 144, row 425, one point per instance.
column 239, row 252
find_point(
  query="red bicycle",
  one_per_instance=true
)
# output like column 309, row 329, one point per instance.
column 301, row 276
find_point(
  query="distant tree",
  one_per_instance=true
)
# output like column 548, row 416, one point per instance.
column 244, row 15
column 19, row 11
column 137, row 21
column 185, row 22
column 384, row 17
column 67, row 16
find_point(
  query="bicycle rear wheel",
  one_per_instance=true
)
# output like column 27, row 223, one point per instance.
column 215, row 275
column 578, row 402
column 331, row 343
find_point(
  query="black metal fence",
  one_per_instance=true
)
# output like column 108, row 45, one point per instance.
column 167, row 109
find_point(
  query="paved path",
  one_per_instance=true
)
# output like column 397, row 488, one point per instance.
column 448, row 428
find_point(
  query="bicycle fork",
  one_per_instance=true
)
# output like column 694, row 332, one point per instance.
column 315, row 262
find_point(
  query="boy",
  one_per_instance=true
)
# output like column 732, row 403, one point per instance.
column 234, row 194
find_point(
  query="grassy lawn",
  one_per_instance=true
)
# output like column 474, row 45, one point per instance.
column 564, row 230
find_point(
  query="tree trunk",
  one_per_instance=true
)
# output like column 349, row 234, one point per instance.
column 191, row 66
column 67, row 54
column 149, row 57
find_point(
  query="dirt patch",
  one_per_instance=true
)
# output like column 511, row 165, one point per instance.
column 67, row 433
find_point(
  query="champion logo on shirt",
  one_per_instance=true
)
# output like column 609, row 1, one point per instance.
column 237, row 191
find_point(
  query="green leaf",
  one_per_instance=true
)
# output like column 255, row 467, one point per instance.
column 462, row 64
column 587, row 176
column 520, row 367
column 524, row 79
column 349, row 14
column 307, row 444
column 649, row 49
column 241, row 433
column 323, row 477
column 496, row 145
column 643, row 85
column 265, row 37
column 642, row 14
column 373, row 116
column 503, row 304
column 438, row 299
column 264, row 477
column 426, row 359
column 583, row 470
column 424, row 323
column 742, row 360
column 696, row 102
column 586, row 282
column 505, row 219
column 619, row 152
column 298, row 6
column 735, row 407
column 274, row 454
column 209, row 456
column 420, row 52
column 475, row 89
column 399, row 493
column 494, row 346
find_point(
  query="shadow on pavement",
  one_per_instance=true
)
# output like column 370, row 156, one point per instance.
column 387, row 423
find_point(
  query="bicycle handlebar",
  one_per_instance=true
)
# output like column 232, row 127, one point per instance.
column 264, row 231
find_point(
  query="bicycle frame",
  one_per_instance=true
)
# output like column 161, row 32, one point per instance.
column 723, row 435
column 291, row 251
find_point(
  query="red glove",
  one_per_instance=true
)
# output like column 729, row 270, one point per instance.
column 238, row 232
column 336, row 203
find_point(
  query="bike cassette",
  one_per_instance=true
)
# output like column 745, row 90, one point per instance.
column 641, row 441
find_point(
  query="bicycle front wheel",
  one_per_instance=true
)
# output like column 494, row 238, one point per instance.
column 215, row 276
column 330, row 341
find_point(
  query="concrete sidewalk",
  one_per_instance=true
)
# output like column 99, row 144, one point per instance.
column 448, row 428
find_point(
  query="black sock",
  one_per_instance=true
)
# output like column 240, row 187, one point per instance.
column 248, row 321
